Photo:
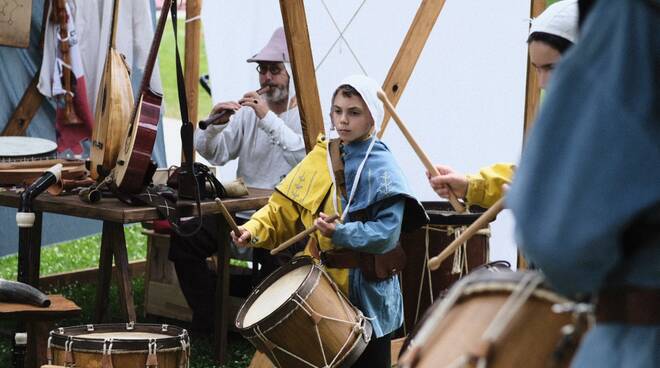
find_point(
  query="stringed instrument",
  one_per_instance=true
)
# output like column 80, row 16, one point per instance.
column 60, row 16
column 113, row 108
column 134, row 167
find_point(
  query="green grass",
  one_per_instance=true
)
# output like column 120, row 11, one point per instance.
column 77, row 254
column 167, row 64
column 84, row 253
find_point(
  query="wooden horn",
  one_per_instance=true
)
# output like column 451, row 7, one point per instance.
column 458, row 207
column 300, row 236
column 482, row 221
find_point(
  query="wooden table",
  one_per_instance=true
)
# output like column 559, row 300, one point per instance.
column 114, row 215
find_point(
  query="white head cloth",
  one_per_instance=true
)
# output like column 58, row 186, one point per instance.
column 368, row 89
column 559, row 19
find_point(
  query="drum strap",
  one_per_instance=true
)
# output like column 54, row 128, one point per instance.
column 631, row 305
column 337, row 166
column 375, row 267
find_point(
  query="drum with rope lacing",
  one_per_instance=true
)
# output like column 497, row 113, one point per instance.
column 129, row 345
column 298, row 317
column 420, row 286
column 499, row 319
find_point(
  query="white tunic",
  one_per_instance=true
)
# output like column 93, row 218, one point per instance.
column 267, row 149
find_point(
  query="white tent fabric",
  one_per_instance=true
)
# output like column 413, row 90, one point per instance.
column 464, row 102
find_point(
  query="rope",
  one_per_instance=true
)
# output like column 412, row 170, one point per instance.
column 421, row 278
column 267, row 342
column 511, row 307
column 192, row 19
column 341, row 36
column 460, row 264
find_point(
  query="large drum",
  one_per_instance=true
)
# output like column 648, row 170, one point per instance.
column 421, row 287
column 119, row 345
column 298, row 317
column 498, row 319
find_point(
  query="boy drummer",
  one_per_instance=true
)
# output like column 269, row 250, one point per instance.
column 355, row 176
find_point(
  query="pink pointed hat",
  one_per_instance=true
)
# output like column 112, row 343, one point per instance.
column 275, row 50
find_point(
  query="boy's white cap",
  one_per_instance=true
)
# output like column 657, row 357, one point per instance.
column 559, row 19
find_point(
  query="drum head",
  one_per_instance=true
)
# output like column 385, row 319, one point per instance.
column 24, row 147
column 125, row 337
column 270, row 297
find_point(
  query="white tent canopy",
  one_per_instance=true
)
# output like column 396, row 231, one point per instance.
column 464, row 102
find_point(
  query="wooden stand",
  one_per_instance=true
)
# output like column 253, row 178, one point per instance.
column 162, row 293
column 39, row 322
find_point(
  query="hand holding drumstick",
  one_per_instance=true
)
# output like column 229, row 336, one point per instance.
column 447, row 179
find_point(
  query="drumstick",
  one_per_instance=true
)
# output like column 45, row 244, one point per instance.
column 215, row 118
column 227, row 215
column 482, row 221
column 300, row 236
column 458, row 207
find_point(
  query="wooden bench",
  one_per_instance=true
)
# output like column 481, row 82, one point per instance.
column 39, row 322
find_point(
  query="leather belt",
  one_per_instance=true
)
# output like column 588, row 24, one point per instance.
column 341, row 259
column 631, row 305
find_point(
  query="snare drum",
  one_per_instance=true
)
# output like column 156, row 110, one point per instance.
column 298, row 317
column 119, row 345
column 497, row 319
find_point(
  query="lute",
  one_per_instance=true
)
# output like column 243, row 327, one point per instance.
column 113, row 108
column 134, row 167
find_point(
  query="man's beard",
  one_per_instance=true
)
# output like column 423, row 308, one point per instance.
column 276, row 94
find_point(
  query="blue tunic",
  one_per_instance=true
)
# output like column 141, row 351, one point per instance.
column 384, row 194
column 591, row 169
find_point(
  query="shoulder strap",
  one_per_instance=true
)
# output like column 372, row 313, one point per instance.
column 337, row 166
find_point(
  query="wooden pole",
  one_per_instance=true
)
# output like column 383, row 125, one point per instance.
column 31, row 101
column 532, row 98
column 191, row 60
column 481, row 222
column 409, row 52
column 458, row 207
column 302, row 65
column 532, row 89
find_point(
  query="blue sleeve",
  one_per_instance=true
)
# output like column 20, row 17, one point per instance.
column 378, row 235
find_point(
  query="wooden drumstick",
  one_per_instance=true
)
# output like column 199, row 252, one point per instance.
column 228, row 217
column 300, row 236
column 482, row 221
column 458, row 207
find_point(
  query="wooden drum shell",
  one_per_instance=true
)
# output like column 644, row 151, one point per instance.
column 292, row 329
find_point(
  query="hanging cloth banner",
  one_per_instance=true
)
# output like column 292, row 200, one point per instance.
column 51, row 84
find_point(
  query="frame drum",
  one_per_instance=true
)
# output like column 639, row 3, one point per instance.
column 25, row 148
column 119, row 345
column 298, row 317
column 498, row 319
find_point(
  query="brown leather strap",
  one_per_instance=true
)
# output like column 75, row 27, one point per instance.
column 341, row 258
column 374, row 266
column 337, row 166
column 631, row 305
